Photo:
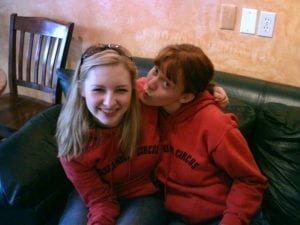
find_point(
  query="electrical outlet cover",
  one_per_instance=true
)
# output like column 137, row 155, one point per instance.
column 266, row 24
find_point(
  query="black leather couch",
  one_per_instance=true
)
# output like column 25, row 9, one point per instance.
column 33, row 187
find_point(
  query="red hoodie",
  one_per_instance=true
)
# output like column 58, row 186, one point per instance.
column 102, row 176
column 207, row 167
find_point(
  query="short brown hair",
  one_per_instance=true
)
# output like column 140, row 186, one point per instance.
column 188, row 62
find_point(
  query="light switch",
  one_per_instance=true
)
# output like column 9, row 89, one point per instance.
column 248, row 21
column 227, row 16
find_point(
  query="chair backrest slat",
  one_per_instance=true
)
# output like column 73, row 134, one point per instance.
column 45, row 60
column 29, row 56
column 38, row 53
column 51, row 62
column 20, row 58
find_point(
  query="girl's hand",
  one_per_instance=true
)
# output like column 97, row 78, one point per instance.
column 220, row 96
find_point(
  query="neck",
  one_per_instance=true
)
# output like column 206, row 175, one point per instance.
column 172, row 108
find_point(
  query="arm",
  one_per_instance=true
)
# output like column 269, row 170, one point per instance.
column 102, row 205
column 248, row 184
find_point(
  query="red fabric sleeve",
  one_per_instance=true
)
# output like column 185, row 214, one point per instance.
column 245, row 196
column 102, row 205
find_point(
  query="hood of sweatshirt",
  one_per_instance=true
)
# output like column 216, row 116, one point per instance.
column 188, row 110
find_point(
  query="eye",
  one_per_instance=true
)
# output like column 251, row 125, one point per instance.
column 122, row 90
column 98, row 90
column 166, row 84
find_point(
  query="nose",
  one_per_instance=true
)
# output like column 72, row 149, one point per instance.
column 109, row 100
column 152, row 83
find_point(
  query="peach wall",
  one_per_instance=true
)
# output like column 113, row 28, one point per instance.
column 146, row 26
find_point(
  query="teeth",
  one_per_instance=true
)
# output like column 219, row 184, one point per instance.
column 108, row 111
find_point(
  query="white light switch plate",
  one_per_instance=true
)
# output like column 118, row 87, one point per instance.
column 248, row 21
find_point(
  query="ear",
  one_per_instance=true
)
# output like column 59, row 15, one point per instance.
column 186, row 97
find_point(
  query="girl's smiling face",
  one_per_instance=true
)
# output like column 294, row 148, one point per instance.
column 107, row 91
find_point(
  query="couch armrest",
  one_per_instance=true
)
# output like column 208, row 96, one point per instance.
column 30, row 171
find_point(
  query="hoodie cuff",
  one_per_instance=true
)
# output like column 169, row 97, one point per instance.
column 230, row 219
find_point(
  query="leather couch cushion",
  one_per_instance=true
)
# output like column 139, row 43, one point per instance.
column 246, row 115
column 144, row 65
column 276, row 147
column 31, row 177
column 244, row 88
column 17, row 217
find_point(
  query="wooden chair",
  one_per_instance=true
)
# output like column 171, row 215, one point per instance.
column 37, row 48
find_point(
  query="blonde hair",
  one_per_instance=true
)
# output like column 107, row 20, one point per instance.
column 75, row 119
